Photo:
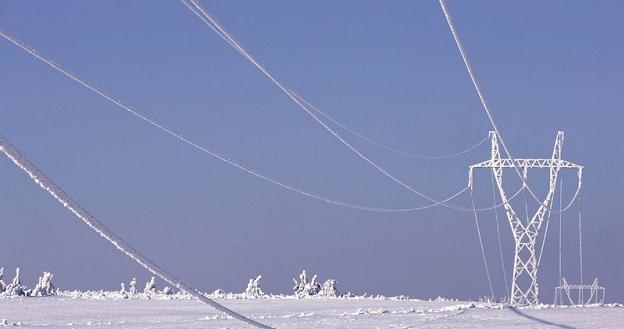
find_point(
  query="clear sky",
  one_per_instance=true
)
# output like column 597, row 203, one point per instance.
column 388, row 69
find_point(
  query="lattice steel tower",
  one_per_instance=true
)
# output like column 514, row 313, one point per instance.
column 524, row 289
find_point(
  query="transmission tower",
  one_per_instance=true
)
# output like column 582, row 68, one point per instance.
column 524, row 289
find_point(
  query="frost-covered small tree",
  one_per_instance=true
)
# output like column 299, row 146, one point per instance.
column 167, row 291
column 304, row 288
column 133, row 289
column 15, row 288
column 2, row 284
column 219, row 293
column 44, row 286
column 253, row 288
column 150, row 286
column 329, row 289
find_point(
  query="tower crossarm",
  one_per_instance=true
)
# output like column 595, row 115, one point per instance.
column 527, row 163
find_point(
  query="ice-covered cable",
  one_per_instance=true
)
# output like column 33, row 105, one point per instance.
column 57, row 193
column 477, row 87
column 485, row 264
column 580, row 229
column 539, row 258
column 390, row 148
column 500, row 244
column 217, row 155
column 560, row 224
column 198, row 10
column 200, row 147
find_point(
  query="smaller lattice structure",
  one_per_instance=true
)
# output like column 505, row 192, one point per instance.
column 579, row 294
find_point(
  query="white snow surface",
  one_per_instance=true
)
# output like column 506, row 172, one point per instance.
column 287, row 312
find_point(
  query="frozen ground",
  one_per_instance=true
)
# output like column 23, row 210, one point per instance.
column 64, row 312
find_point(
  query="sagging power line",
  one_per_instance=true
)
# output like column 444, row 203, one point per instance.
column 181, row 137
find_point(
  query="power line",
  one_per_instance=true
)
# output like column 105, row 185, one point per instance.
column 213, row 153
column 539, row 259
column 481, row 95
column 580, row 229
column 57, row 193
column 485, row 264
column 195, row 7
column 394, row 149
column 560, row 225
column 199, row 11
column 500, row 244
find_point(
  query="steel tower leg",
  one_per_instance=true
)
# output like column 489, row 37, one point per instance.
column 524, row 287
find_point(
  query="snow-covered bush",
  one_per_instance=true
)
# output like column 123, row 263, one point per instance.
column 44, row 286
column 123, row 289
column 150, row 286
column 167, row 291
column 2, row 284
column 150, row 290
column 329, row 289
column 133, row 289
column 219, row 293
column 15, row 288
column 253, row 288
column 304, row 288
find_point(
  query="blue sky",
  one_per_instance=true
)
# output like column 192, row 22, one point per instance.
column 387, row 69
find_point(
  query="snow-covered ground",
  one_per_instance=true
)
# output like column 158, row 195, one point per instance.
column 68, row 312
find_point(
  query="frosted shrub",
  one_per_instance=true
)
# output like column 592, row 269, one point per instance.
column 253, row 288
column 304, row 288
column 133, row 289
column 2, row 284
column 150, row 286
column 44, row 286
column 219, row 293
column 15, row 288
column 329, row 289
column 167, row 291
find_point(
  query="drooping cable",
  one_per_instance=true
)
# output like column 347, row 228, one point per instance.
column 181, row 137
column 199, row 11
column 560, row 226
column 57, row 193
column 481, row 95
column 580, row 230
column 390, row 148
column 214, row 25
column 539, row 259
column 485, row 264
column 500, row 244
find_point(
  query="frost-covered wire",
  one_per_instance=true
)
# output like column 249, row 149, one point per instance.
column 57, row 193
column 485, row 264
column 198, row 146
column 199, row 11
column 580, row 229
column 220, row 156
column 500, row 244
column 539, row 258
column 481, row 95
column 390, row 148
column 560, row 224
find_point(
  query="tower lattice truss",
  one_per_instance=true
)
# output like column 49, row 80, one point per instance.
column 524, row 288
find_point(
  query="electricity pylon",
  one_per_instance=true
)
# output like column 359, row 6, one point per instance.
column 524, row 289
